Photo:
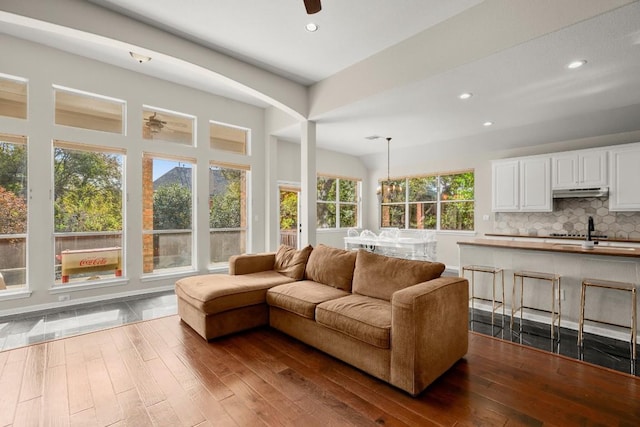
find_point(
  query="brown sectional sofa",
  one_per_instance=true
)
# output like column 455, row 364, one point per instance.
column 395, row 319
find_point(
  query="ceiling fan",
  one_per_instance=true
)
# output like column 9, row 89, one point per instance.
column 154, row 123
column 312, row 6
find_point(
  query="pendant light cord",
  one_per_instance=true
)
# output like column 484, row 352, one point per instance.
column 388, row 160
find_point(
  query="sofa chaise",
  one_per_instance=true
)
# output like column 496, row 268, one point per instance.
column 395, row 319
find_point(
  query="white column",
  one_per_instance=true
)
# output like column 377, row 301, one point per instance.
column 308, row 195
column 272, row 215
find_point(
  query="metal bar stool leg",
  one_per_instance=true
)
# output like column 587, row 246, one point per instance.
column 581, row 320
column 513, row 303
column 634, row 324
column 553, row 307
column 521, row 303
column 502, row 274
column 559, row 305
column 493, row 300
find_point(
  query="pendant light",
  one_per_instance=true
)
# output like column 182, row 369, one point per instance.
column 389, row 190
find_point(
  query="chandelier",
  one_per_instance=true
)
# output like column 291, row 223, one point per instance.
column 389, row 190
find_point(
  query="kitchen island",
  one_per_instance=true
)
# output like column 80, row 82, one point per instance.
column 571, row 261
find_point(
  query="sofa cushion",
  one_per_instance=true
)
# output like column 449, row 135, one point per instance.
column 360, row 317
column 379, row 276
column 292, row 262
column 302, row 297
column 331, row 266
column 215, row 293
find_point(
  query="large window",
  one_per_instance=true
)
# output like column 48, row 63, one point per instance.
column 227, row 211
column 167, row 217
column 437, row 202
column 338, row 202
column 13, row 211
column 88, row 193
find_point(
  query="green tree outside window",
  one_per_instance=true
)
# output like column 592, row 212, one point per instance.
column 337, row 202
column 437, row 202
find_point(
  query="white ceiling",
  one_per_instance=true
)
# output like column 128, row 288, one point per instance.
column 525, row 88
column 271, row 34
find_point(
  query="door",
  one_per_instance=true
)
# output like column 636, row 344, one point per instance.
column 289, row 211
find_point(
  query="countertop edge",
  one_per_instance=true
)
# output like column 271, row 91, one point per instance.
column 555, row 247
column 528, row 236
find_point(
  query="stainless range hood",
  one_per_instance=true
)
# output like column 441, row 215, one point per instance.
column 581, row 192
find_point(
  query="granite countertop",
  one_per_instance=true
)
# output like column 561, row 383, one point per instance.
column 608, row 239
column 574, row 248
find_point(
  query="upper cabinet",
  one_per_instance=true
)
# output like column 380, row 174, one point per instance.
column 521, row 185
column 505, row 185
column 624, row 180
column 579, row 169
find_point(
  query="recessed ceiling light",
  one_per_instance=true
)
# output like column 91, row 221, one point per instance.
column 465, row 95
column 487, row 124
column 311, row 27
column 140, row 58
column 576, row 64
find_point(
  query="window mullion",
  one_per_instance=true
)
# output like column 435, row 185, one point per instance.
column 337, row 203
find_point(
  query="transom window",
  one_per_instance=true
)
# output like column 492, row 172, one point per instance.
column 88, row 110
column 435, row 202
column 13, row 97
column 338, row 202
column 170, row 126
column 228, row 138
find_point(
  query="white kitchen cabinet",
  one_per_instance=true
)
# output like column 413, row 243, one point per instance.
column 624, row 180
column 579, row 169
column 505, row 186
column 521, row 185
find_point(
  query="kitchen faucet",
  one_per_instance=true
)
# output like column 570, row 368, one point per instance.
column 590, row 228
column 588, row 243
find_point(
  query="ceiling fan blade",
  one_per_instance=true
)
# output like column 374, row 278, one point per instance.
column 312, row 6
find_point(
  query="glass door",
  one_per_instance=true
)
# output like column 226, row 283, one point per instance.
column 288, row 215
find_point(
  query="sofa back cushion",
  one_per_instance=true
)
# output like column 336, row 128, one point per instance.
column 331, row 266
column 379, row 276
column 291, row 262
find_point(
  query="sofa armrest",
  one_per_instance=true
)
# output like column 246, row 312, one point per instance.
column 251, row 263
column 429, row 331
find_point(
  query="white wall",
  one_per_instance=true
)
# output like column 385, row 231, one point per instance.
column 44, row 66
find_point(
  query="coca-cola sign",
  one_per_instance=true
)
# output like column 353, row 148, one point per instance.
column 95, row 261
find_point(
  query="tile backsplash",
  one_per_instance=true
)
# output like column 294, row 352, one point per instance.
column 571, row 216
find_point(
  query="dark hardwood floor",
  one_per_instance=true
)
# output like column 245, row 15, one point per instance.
column 159, row 372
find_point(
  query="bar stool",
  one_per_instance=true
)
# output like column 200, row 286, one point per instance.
column 617, row 286
column 490, row 270
column 553, row 279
